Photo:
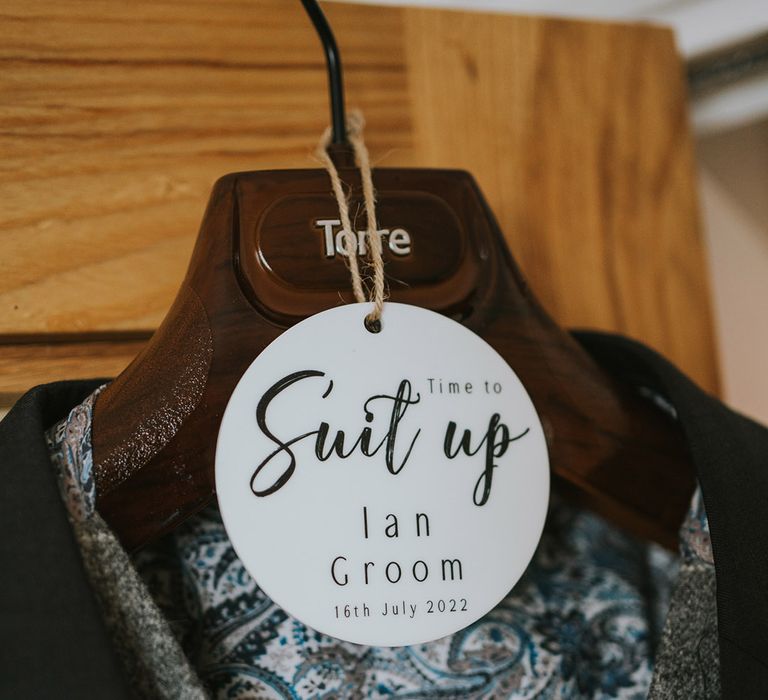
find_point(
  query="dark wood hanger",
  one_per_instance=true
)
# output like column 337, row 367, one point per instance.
column 260, row 265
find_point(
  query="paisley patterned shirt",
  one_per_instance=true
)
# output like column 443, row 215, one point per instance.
column 584, row 620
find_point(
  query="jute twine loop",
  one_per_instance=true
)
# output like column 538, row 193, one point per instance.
column 355, row 124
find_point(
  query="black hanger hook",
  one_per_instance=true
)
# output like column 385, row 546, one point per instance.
column 333, row 62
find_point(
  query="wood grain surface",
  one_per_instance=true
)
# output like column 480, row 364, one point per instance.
column 115, row 120
column 41, row 362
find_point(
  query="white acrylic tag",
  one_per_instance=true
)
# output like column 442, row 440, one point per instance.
column 383, row 488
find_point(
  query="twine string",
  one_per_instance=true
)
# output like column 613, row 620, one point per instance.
column 373, row 248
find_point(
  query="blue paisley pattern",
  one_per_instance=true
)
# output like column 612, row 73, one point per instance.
column 582, row 622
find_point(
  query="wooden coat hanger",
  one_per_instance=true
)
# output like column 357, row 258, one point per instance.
column 262, row 262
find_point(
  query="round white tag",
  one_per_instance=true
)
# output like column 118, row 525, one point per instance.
column 384, row 488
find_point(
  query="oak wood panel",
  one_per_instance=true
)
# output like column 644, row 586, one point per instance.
column 583, row 149
column 115, row 120
column 23, row 365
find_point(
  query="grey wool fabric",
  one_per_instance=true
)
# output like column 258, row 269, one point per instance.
column 151, row 656
column 688, row 662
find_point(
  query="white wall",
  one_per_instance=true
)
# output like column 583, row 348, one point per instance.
column 734, row 199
